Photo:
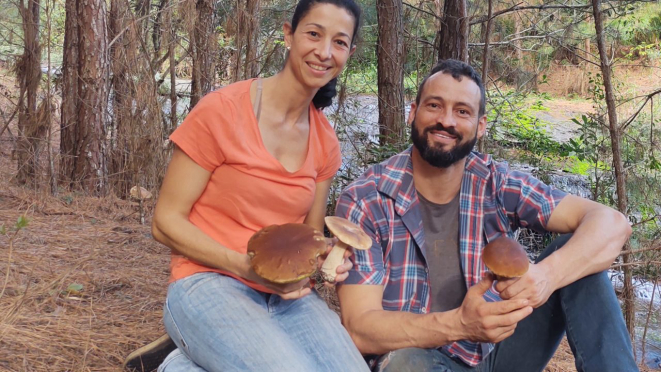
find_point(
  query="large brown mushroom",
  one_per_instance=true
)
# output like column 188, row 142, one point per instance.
column 348, row 234
column 506, row 258
column 286, row 253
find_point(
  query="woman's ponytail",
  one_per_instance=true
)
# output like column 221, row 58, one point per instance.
column 325, row 95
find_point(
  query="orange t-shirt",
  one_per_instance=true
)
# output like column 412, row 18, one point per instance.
column 249, row 188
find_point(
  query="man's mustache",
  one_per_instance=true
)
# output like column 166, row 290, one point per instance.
column 440, row 128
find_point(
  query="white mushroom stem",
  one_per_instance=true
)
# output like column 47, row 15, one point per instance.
column 333, row 260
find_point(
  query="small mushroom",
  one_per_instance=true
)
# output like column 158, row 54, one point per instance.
column 139, row 193
column 348, row 234
column 506, row 258
column 286, row 253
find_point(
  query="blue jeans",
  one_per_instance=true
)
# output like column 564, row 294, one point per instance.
column 220, row 324
column 586, row 310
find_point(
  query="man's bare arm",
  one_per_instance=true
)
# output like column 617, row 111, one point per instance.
column 378, row 331
column 599, row 232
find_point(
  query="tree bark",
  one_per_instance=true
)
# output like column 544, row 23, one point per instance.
column 485, row 53
column 173, row 80
column 68, row 116
column 453, row 35
column 85, row 156
column 390, row 56
column 31, row 130
column 251, row 67
column 203, row 51
column 618, row 166
column 518, row 45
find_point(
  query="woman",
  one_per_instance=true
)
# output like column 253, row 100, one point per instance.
column 252, row 154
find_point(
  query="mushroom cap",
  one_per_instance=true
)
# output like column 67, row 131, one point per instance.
column 286, row 253
column 139, row 192
column 348, row 232
column 505, row 257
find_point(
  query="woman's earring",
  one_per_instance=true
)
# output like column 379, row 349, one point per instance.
column 288, row 47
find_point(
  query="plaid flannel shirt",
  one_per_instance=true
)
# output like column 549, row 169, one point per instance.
column 494, row 201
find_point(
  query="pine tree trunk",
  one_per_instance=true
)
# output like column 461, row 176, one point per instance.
column 390, row 54
column 453, row 35
column 30, row 128
column 204, row 51
column 251, row 67
column 69, row 116
column 84, row 112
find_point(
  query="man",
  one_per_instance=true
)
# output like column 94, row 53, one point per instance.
column 421, row 299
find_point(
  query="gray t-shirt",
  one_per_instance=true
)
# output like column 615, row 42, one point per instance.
column 441, row 226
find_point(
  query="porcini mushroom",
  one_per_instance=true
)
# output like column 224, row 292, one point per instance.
column 139, row 193
column 348, row 234
column 506, row 258
column 286, row 253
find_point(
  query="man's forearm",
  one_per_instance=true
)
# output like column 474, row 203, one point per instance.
column 593, row 247
column 380, row 331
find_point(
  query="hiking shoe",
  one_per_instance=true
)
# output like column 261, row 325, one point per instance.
column 149, row 357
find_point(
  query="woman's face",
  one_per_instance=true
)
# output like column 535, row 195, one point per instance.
column 321, row 44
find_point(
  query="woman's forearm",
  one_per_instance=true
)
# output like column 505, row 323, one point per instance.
column 179, row 234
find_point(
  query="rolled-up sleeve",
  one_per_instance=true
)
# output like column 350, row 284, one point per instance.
column 528, row 201
column 368, row 265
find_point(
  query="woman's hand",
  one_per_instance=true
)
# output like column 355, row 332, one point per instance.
column 288, row 291
column 343, row 269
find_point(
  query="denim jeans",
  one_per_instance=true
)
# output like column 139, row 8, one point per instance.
column 586, row 310
column 220, row 324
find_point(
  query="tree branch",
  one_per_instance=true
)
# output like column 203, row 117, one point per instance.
column 633, row 117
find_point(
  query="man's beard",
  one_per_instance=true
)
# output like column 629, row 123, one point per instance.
column 436, row 156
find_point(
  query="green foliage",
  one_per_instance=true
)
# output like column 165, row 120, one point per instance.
column 640, row 25
column 518, row 127
column 650, row 51
column 73, row 289
column 22, row 222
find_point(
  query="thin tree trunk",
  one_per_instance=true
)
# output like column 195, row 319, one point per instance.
column 49, row 110
column 30, row 133
column 390, row 54
column 453, row 35
column 68, row 117
column 618, row 166
column 517, row 44
column 485, row 53
column 173, row 78
column 485, row 61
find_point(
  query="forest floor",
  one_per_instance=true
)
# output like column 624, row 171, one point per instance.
column 82, row 285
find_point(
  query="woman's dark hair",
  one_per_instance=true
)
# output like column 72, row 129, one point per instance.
column 325, row 94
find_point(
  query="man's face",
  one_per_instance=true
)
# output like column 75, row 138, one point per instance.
column 445, row 126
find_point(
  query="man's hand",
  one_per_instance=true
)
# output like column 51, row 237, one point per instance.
column 483, row 321
column 536, row 286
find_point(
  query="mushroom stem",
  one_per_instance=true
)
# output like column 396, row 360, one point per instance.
column 332, row 261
